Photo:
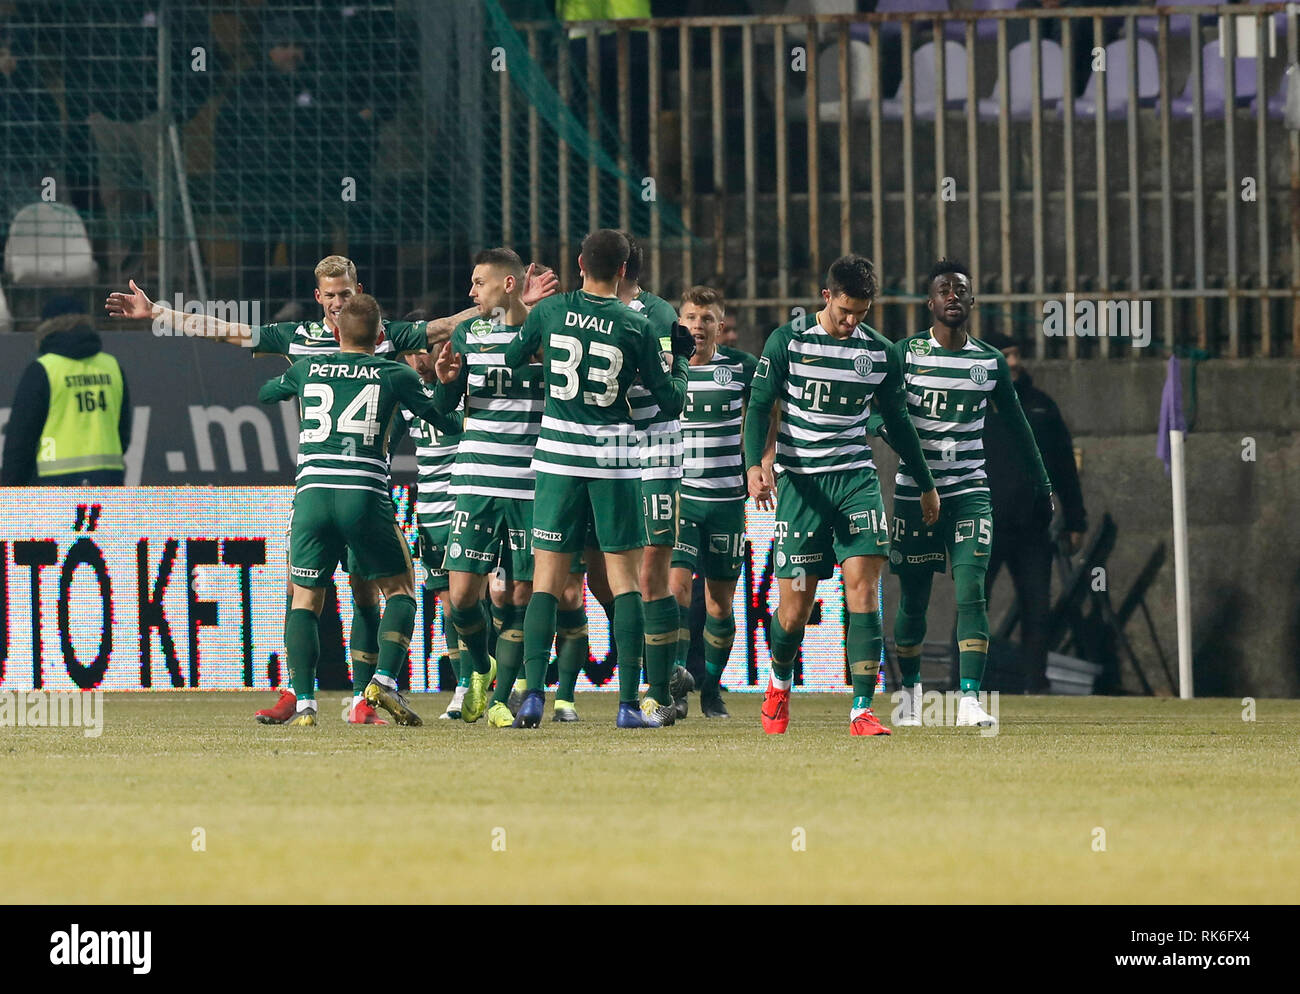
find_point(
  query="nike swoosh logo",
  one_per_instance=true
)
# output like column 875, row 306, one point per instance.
column 932, row 369
column 661, row 531
column 812, row 358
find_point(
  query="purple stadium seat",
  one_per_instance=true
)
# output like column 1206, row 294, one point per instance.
column 924, row 98
column 989, row 29
column 1179, row 24
column 1021, row 87
column 1117, row 55
column 953, row 29
column 1212, row 83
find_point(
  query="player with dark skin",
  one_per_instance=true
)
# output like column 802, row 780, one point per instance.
column 951, row 301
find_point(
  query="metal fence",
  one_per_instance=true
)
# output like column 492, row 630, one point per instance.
column 775, row 138
column 747, row 152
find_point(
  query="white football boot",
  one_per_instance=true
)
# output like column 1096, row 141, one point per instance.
column 970, row 713
column 909, row 707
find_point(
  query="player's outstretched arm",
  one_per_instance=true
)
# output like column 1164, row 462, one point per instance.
column 282, row 387
column 439, row 329
column 137, row 306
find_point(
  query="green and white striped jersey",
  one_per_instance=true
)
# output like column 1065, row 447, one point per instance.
column 947, row 396
column 659, row 437
column 503, row 413
column 304, row 338
column 435, row 453
column 594, row 347
column 711, row 427
column 349, row 403
column 823, row 385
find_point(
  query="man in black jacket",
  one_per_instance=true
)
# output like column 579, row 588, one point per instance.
column 1027, row 550
column 70, row 423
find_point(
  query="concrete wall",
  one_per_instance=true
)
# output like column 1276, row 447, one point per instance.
column 1244, row 546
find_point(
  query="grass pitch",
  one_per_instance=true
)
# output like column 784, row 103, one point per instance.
column 1195, row 803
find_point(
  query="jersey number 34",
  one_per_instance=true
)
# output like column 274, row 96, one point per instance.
column 367, row 426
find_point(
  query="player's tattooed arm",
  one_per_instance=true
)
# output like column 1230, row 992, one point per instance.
column 137, row 306
column 439, row 329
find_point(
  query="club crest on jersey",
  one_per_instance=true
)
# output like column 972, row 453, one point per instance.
column 722, row 376
column 481, row 326
column 920, row 346
column 862, row 365
column 454, row 550
column 316, row 330
column 780, row 559
column 979, row 374
column 895, row 556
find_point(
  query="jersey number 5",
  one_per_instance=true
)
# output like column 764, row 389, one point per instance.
column 567, row 369
column 348, row 423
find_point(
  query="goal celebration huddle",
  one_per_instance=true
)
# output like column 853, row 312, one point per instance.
column 602, row 438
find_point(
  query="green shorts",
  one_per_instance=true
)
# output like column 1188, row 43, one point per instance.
column 432, row 546
column 564, row 505
column 711, row 538
column 963, row 534
column 659, row 510
column 486, row 531
column 825, row 519
column 328, row 524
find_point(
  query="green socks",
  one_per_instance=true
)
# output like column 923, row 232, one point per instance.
column 363, row 644
column 909, row 622
column 462, row 671
column 395, row 635
column 572, row 649
column 508, row 620
column 485, row 606
column 629, row 638
column 683, row 633
column 719, row 634
column 539, row 636
column 972, row 644
column 784, row 646
column 302, row 644
column 660, row 645
column 471, row 632
column 972, row 626
column 862, row 644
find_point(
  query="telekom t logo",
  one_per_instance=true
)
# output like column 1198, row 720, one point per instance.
column 816, row 392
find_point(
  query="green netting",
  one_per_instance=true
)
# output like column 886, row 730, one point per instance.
column 304, row 128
